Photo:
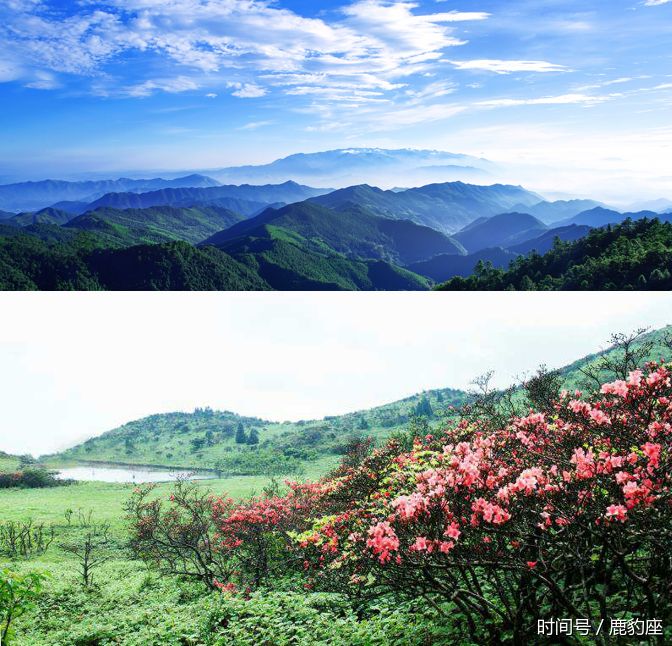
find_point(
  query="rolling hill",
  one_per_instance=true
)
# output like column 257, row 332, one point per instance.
column 445, row 207
column 500, row 230
column 206, row 439
column 354, row 232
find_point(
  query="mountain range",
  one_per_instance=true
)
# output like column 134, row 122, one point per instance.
column 290, row 236
column 27, row 196
column 446, row 207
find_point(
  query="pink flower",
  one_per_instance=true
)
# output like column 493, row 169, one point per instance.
column 453, row 531
column 652, row 451
column 383, row 540
column 635, row 378
column 419, row 545
column 409, row 507
column 446, row 546
column 617, row 512
column 598, row 416
column 619, row 388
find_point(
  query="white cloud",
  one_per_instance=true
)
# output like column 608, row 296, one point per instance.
column 656, row 2
column 258, row 124
column 142, row 90
column 249, row 91
column 565, row 98
column 506, row 67
column 660, row 87
column 623, row 80
column 210, row 96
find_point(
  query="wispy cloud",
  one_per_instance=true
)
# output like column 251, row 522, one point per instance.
column 656, row 2
column 257, row 124
column 142, row 90
column 506, row 67
column 565, row 98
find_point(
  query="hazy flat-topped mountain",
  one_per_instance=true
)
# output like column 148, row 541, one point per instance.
column 28, row 196
column 355, row 231
column 349, row 166
column 446, row 207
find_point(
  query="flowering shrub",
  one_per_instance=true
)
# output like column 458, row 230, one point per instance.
column 567, row 514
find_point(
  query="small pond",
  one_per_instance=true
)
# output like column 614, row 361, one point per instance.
column 126, row 474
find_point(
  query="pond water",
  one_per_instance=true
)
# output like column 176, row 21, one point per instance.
column 126, row 474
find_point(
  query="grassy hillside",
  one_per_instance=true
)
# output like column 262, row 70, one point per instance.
column 501, row 230
column 354, row 232
column 8, row 462
column 206, row 437
column 632, row 255
column 288, row 261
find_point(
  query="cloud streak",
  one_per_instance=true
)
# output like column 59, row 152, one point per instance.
column 506, row 67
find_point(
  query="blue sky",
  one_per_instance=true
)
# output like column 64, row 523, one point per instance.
column 188, row 84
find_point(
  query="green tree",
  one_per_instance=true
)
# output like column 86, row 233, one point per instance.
column 241, row 436
column 254, row 437
column 424, row 408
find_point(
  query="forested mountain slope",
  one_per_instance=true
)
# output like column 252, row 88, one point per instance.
column 356, row 231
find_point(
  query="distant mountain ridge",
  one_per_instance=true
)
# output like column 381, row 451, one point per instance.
column 445, row 207
column 29, row 196
column 246, row 199
column 552, row 212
